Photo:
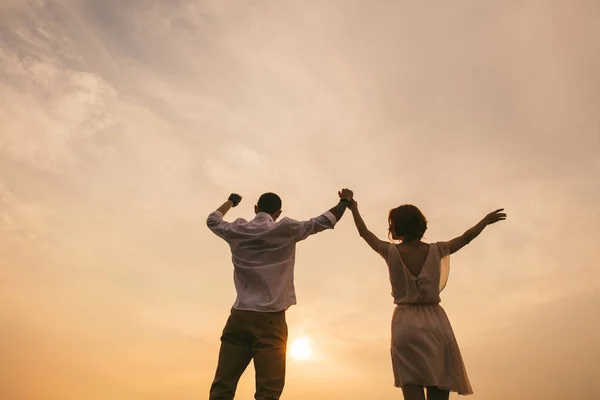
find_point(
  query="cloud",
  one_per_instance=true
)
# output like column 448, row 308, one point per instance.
column 125, row 123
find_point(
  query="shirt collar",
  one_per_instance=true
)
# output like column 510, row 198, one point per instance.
column 263, row 215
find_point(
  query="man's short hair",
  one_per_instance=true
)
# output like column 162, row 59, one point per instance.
column 269, row 203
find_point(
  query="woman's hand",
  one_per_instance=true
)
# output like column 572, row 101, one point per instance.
column 495, row 216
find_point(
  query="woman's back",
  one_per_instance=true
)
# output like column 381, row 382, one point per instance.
column 414, row 256
column 415, row 272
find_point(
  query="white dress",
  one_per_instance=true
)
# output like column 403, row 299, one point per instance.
column 423, row 348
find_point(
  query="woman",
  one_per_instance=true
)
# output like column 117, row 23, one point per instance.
column 424, row 351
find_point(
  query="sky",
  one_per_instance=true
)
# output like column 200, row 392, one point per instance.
column 123, row 124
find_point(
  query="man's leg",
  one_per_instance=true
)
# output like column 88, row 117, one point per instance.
column 234, row 356
column 269, row 351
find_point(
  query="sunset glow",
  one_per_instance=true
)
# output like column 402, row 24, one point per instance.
column 124, row 123
column 300, row 349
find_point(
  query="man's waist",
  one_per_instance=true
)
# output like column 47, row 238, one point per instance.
column 270, row 313
column 250, row 304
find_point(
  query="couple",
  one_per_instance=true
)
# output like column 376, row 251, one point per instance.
column 424, row 351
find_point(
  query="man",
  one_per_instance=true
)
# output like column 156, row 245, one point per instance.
column 263, row 253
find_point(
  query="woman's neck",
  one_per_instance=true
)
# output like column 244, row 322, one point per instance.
column 413, row 243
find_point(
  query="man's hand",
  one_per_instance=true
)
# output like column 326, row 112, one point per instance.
column 345, row 198
column 235, row 199
column 346, row 194
column 495, row 216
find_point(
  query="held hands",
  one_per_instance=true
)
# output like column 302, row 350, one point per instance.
column 348, row 196
column 235, row 199
column 495, row 216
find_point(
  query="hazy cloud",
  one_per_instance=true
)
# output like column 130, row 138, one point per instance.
column 123, row 123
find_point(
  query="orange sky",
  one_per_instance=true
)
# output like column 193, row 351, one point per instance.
column 123, row 124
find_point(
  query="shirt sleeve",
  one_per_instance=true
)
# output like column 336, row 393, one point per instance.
column 217, row 225
column 301, row 230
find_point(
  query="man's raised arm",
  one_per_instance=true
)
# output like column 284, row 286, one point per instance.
column 327, row 220
column 346, row 196
column 215, row 220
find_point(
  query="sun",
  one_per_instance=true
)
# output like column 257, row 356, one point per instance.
column 300, row 349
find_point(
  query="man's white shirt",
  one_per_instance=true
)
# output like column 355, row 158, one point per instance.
column 263, row 255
